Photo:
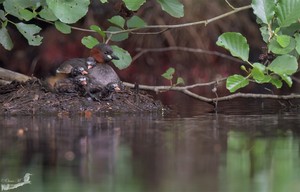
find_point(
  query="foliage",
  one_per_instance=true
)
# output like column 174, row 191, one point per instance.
column 169, row 75
column 63, row 13
column 279, row 26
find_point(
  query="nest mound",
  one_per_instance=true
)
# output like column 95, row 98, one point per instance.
column 34, row 98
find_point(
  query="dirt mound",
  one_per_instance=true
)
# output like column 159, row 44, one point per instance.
column 33, row 97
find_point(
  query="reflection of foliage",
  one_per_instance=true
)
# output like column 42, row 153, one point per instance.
column 269, row 164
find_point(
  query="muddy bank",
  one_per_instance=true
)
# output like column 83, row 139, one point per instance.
column 34, row 98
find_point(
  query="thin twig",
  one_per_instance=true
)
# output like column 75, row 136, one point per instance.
column 165, row 27
column 187, row 49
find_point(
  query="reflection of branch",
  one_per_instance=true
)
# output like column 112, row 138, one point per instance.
column 143, row 51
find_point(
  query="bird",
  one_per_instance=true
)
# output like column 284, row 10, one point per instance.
column 76, row 66
column 71, row 85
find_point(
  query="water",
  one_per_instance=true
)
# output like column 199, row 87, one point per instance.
column 152, row 152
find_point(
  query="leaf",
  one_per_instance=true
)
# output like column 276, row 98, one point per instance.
column 236, row 82
column 62, row 27
column 134, row 5
column 276, row 82
column 277, row 49
column 297, row 38
column 69, row 11
column 97, row 29
column 47, row 14
column 29, row 31
column 117, row 37
column 136, row 22
column 103, row 1
column 26, row 14
column 283, row 40
column 264, row 9
column 2, row 15
column 118, row 21
column 13, row 7
column 288, row 12
column 235, row 43
column 169, row 73
column 89, row 41
column 287, row 79
column 124, row 57
column 180, row 81
column 265, row 33
column 172, row 7
column 258, row 72
column 284, row 64
column 5, row 39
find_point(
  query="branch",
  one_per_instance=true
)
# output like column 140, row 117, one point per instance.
column 164, row 27
column 185, row 90
column 187, row 49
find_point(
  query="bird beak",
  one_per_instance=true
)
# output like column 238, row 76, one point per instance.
column 113, row 56
column 89, row 66
column 117, row 89
column 84, row 73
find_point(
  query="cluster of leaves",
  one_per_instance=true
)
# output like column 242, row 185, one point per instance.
column 169, row 75
column 62, row 13
column 279, row 21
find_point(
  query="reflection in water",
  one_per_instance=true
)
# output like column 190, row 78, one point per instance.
column 142, row 152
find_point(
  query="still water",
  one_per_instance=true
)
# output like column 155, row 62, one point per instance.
column 151, row 153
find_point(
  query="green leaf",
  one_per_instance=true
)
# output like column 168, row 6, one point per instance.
column 26, row 14
column 264, row 9
column 89, row 41
column 117, row 37
column 287, row 79
column 97, row 29
column 276, row 82
column 118, row 21
column 258, row 72
column 288, row 12
column 297, row 38
column 180, row 81
column 62, row 27
column 5, row 39
column 29, row 31
column 276, row 48
column 134, row 5
column 103, row 1
column 136, row 22
column 235, row 43
column 2, row 15
column 236, row 82
column 47, row 14
column 69, row 11
column 284, row 64
column 265, row 33
column 283, row 40
column 124, row 57
column 169, row 73
column 172, row 7
column 14, row 7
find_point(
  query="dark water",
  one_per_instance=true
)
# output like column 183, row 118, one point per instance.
column 152, row 152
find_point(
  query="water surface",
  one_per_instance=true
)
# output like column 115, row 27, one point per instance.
column 152, row 152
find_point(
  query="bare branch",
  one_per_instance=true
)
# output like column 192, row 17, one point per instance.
column 187, row 49
column 185, row 90
column 164, row 27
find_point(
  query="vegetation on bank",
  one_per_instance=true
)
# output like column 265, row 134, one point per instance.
column 278, row 21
